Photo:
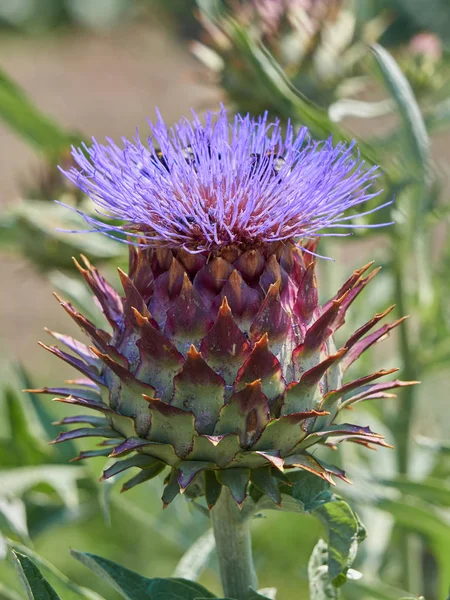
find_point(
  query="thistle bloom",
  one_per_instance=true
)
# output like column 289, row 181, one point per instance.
column 220, row 362
column 205, row 187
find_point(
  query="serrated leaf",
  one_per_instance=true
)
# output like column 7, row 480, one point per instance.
column 36, row 587
column 311, row 494
column 132, row 586
column 345, row 532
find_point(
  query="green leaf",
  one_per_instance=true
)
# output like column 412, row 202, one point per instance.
column 7, row 593
column 41, row 422
column 52, row 571
column 36, row 587
column 311, row 494
column 421, row 518
column 62, row 479
column 133, row 586
column 39, row 229
column 345, row 532
column 434, row 491
column 417, row 143
column 22, row 116
column 424, row 519
column 439, row 446
column 21, row 446
column 320, row 585
column 308, row 489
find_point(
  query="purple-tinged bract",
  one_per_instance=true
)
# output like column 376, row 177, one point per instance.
column 205, row 186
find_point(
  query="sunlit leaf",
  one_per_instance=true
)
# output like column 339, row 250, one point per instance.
column 36, row 587
column 52, row 572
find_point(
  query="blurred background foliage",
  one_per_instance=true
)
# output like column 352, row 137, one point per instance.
column 376, row 70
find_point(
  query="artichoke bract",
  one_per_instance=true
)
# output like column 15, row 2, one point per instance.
column 219, row 363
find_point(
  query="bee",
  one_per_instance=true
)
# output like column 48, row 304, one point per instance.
column 188, row 218
column 261, row 162
column 157, row 158
column 187, row 153
column 161, row 159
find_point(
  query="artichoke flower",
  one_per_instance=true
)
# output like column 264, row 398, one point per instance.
column 219, row 364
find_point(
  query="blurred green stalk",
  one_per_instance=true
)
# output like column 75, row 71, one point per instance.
column 410, row 551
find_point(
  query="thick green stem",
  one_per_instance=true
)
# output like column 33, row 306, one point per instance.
column 233, row 547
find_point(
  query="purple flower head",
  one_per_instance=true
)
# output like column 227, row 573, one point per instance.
column 206, row 186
